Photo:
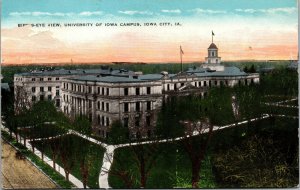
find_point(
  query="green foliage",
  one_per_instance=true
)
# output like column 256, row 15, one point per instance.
column 263, row 158
column 82, row 125
column 280, row 82
column 249, row 101
column 118, row 134
column 81, row 151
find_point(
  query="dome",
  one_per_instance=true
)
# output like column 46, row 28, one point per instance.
column 212, row 46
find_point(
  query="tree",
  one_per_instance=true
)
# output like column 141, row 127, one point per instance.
column 82, row 125
column 193, row 115
column 66, row 153
column 118, row 134
column 246, row 69
column 143, row 157
column 252, row 69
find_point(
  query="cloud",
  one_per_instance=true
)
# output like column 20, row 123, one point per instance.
column 287, row 10
column 136, row 12
column 176, row 11
column 87, row 13
column 207, row 11
column 58, row 14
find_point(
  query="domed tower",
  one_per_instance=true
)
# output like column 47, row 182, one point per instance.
column 213, row 53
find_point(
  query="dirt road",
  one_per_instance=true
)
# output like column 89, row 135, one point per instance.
column 18, row 173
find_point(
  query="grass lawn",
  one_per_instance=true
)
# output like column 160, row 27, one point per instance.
column 173, row 169
column 269, row 109
column 94, row 155
column 275, row 99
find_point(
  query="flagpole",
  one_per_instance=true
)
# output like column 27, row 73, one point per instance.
column 181, row 59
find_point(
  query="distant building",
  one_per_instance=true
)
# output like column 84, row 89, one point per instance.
column 106, row 95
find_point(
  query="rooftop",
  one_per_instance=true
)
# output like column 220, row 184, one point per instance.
column 212, row 46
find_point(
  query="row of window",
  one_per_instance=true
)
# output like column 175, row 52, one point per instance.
column 137, row 121
column 137, row 106
column 103, row 121
column 49, row 98
column 42, row 79
column 103, row 106
column 102, row 90
column 42, row 89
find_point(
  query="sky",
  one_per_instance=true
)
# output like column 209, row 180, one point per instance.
column 244, row 30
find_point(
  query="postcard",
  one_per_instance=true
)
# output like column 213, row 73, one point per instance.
column 149, row 94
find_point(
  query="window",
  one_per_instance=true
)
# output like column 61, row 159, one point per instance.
column 182, row 84
column 204, row 83
column 98, row 120
column 49, row 88
column 41, row 97
column 107, row 106
column 102, row 120
column 57, row 86
column 57, row 92
column 102, row 91
column 107, row 91
column 148, row 120
column 199, row 83
column 99, row 90
column 209, row 83
column 33, row 98
column 216, row 83
column 148, row 105
column 148, row 90
column 168, row 87
column 42, row 89
column 49, row 97
column 137, row 106
column 98, row 105
column 103, row 106
column 137, row 91
column 90, row 103
column 41, row 79
column 125, row 91
column 33, row 89
column 90, row 117
column 126, row 107
column 137, row 121
column 56, row 78
column 90, row 89
column 49, row 78
column 33, row 79
column 126, row 121
column 107, row 121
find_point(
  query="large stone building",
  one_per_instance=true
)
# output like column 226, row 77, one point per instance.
column 106, row 95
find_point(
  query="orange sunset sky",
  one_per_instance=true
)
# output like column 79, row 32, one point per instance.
column 260, row 30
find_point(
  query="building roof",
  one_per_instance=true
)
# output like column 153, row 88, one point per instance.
column 65, row 72
column 117, row 79
column 228, row 71
column 212, row 46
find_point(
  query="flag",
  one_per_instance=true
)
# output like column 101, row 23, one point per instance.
column 181, row 51
column 212, row 33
